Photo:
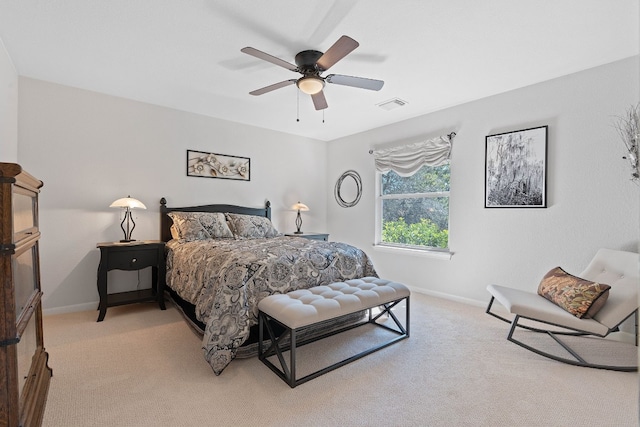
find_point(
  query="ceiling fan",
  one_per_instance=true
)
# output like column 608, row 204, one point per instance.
column 311, row 64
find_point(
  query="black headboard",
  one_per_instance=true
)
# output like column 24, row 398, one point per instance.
column 166, row 222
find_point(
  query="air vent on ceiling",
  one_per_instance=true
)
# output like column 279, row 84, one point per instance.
column 392, row 104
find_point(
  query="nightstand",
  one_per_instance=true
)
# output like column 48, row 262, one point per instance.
column 310, row 235
column 131, row 256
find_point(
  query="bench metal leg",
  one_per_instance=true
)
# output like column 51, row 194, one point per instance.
column 292, row 355
column 275, row 348
column 288, row 372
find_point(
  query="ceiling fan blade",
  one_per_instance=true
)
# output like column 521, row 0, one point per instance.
column 319, row 101
column 269, row 58
column 359, row 82
column 272, row 87
column 344, row 46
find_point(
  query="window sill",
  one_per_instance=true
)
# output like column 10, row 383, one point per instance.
column 444, row 255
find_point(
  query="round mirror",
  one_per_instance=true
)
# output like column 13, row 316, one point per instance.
column 348, row 189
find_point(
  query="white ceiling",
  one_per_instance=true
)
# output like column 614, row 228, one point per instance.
column 431, row 53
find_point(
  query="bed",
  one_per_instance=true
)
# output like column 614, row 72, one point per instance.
column 223, row 259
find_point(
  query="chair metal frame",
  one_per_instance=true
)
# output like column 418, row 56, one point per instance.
column 579, row 360
column 288, row 372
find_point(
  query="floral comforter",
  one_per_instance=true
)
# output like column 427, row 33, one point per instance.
column 225, row 279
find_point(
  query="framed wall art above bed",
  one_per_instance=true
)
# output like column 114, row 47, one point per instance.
column 213, row 165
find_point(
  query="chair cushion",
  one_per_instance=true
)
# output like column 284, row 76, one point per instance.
column 533, row 306
column 580, row 297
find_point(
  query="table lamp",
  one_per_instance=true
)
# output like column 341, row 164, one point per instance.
column 299, row 207
column 128, row 203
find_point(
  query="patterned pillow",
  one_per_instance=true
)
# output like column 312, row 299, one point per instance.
column 251, row 226
column 579, row 297
column 201, row 225
column 216, row 225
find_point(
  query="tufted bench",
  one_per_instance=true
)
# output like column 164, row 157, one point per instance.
column 306, row 308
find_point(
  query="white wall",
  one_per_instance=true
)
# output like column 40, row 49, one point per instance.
column 8, row 108
column 90, row 149
column 591, row 201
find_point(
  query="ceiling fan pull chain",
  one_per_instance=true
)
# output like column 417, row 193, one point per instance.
column 322, row 116
column 297, row 106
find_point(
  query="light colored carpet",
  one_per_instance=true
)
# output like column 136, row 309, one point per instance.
column 144, row 367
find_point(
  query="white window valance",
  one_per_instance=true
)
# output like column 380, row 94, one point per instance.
column 405, row 160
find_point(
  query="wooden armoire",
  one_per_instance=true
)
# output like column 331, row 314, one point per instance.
column 24, row 370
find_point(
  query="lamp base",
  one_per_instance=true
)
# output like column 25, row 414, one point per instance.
column 298, row 223
column 127, row 241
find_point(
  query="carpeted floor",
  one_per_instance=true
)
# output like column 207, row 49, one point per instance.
column 144, row 367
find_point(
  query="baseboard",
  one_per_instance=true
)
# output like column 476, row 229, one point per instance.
column 70, row 308
column 450, row 297
column 94, row 305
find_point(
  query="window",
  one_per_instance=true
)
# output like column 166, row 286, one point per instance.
column 412, row 195
column 414, row 210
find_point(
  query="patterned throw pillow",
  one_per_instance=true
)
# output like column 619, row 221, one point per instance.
column 251, row 226
column 216, row 225
column 580, row 297
column 201, row 225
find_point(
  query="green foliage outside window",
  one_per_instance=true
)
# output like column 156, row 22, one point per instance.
column 423, row 233
column 415, row 210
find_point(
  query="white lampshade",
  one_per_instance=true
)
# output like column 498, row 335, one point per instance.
column 310, row 84
column 128, row 202
column 300, row 207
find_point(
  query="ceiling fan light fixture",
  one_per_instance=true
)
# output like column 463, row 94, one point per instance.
column 310, row 84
